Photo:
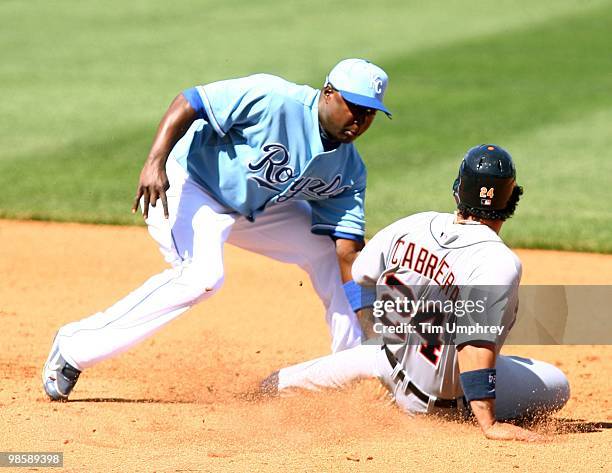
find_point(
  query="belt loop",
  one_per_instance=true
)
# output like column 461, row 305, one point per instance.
column 397, row 387
column 431, row 403
column 395, row 373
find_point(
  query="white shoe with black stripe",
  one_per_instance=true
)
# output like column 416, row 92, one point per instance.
column 59, row 377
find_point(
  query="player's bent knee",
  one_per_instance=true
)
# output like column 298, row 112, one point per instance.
column 557, row 387
column 554, row 391
column 198, row 284
column 206, row 288
column 529, row 388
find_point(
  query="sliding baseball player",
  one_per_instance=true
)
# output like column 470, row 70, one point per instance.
column 447, row 297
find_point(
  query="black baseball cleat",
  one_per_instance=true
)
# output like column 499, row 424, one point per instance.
column 59, row 377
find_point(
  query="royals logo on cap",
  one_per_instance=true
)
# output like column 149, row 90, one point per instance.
column 360, row 82
column 376, row 84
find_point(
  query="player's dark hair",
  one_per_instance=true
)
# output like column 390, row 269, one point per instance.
column 467, row 211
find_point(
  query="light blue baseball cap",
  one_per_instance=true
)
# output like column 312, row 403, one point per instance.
column 360, row 82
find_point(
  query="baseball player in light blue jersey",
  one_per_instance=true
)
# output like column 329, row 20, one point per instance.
column 259, row 162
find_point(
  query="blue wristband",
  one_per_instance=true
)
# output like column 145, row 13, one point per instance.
column 478, row 384
column 358, row 296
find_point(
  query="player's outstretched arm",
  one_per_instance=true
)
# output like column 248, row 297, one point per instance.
column 153, row 182
column 476, row 361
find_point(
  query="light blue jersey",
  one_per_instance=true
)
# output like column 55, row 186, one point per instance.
column 258, row 143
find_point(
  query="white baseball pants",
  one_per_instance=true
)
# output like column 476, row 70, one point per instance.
column 192, row 240
column 524, row 386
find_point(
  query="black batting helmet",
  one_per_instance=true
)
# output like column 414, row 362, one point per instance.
column 486, row 185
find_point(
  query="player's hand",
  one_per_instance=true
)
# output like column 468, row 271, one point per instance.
column 152, row 185
column 503, row 431
column 153, row 182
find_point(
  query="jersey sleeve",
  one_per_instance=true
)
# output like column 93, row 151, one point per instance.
column 195, row 101
column 234, row 102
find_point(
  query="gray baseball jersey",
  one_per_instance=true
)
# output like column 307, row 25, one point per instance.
column 445, row 284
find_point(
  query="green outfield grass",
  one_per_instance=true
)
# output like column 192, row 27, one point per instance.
column 85, row 84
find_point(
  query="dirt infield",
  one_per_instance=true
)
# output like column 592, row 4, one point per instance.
column 180, row 401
